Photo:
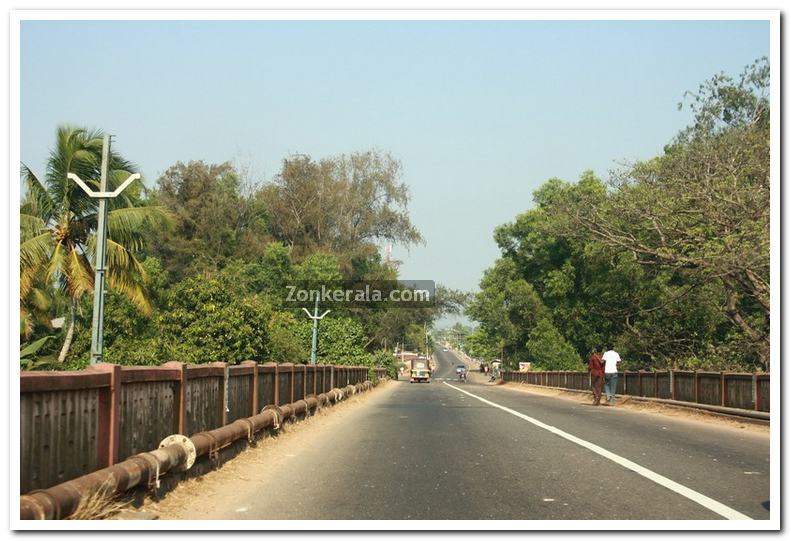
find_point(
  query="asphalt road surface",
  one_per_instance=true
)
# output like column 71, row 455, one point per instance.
column 453, row 450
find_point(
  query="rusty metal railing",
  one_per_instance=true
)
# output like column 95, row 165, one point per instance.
column 175, row 453
column 77, row 422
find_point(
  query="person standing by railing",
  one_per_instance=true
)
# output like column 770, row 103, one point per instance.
column 611, row 360
column 596, row 369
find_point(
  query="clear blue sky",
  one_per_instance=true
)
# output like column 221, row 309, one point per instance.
column 479, row 113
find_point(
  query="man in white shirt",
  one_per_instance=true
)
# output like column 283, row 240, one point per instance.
column 611, row 360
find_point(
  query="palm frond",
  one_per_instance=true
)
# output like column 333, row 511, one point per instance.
column 34, row 309
column 34, row 257
column 30, row 226
column 126, row 225
column 76, row 151
column 127, row 276
column 39, row 300
column 55, row 267
column 78, row 274
column 37, row 201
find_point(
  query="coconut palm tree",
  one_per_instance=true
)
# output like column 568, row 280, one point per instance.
column 58, row 224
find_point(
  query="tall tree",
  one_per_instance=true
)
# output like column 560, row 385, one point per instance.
column 344, row 204
column 58, row 224
column 702, row 207
column 218, row 217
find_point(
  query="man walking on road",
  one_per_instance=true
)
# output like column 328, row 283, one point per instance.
column 611, row 360
column 596, row 368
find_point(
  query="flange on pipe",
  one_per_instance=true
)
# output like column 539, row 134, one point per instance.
column 186, row 444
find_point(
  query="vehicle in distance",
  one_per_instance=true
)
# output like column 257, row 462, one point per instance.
column 420, row 371
column 461, row 371
column 444, row 349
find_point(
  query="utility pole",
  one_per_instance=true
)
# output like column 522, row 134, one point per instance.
column 315, row 317
column 97, row 324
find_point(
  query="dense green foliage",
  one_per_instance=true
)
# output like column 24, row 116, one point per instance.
column 211, row 286
column 547, row 348
column 668, row 262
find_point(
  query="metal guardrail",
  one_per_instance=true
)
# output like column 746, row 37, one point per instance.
column 742, row 391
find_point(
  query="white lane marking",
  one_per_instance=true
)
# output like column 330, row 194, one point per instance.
column 713, row 505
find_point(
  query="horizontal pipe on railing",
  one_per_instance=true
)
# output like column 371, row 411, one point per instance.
column 62, row 500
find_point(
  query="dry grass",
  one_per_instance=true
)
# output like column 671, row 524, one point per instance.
column 100, row 504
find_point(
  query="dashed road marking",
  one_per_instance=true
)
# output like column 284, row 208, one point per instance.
column 710, row 504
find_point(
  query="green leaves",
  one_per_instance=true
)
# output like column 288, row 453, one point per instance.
column 343, row 204
column 548, row 350
column 33, row 357
column 127, row 226
column 669, row 261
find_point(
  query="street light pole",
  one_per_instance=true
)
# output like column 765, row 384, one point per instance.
column 97, row 324
column 315, row 341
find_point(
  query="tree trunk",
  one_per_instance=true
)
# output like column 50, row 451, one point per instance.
column 69, row 334
column 759, row 338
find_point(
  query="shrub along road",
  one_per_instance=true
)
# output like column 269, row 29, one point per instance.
column 451, row 450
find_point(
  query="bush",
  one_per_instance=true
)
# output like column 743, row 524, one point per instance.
column 548, row 350
column 385, row 359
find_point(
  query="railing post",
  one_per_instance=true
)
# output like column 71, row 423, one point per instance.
column 672, row 385
column 756, row 395
column 180, row 397
column 223, row 393
column 109, row 421
column 696, row 386
column 302, row 369
column 253, row 386
column 277, row 384
column 293, row 383
column 722, row 388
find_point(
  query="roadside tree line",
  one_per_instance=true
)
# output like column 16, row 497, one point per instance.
column 199, row 264
column 667, row 261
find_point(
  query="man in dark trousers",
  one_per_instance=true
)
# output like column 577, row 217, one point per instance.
column 596, row 369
